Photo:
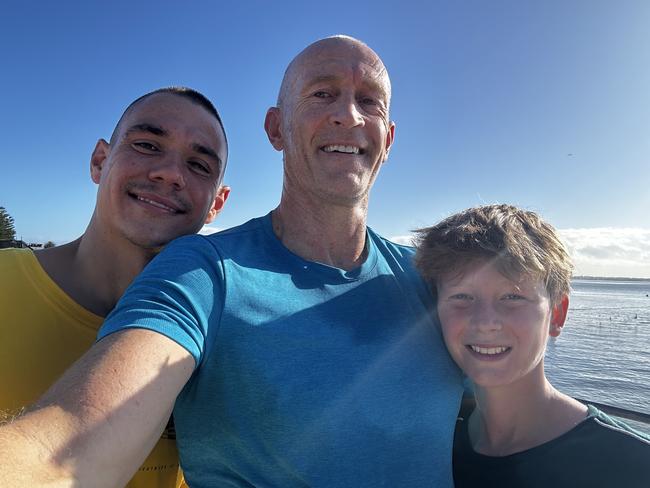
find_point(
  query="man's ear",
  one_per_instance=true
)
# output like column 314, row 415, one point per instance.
column 390, row 138
column 217, row 205
column 273, row 128
column 98, row 158
column 558, row 316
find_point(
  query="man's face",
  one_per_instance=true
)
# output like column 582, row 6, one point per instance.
column 161, row 176
column 495, row 328
column 334, row 125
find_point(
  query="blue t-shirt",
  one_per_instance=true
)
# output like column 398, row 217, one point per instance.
column 306, row 375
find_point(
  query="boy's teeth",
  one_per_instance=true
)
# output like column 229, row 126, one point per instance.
column 489, row 350
column 343, row 149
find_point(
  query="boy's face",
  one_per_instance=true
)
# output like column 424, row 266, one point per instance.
column 496, row 328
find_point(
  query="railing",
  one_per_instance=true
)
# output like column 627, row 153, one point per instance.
column 468, row 405
column 623, row 413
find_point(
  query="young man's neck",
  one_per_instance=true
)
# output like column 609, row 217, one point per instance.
column 328, row 234
column 520, row 416
column 94, row 272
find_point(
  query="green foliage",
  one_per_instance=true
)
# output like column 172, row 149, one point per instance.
column 7, row 230
column 48, row 244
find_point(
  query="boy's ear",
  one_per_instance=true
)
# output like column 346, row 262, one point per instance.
column 558, row 316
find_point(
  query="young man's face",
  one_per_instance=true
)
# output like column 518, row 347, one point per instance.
column 496, row 328
column 161, row 176
column 335, row 127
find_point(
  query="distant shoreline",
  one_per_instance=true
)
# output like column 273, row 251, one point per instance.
column 610, row 278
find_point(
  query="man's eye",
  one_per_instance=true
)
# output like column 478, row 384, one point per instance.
column 513, row 296
column 322, row 94
column 368, row 101
column 147, row 146
column 200, row 167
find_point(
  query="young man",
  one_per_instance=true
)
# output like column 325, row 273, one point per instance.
column 300, row 342
column 159, row 178
column 501, row 277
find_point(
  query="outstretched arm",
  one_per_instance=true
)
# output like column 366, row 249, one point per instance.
column 96, row 425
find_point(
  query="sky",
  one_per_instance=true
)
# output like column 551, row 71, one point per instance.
column 544, row 105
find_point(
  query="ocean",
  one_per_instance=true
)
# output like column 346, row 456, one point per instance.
column 603, row 352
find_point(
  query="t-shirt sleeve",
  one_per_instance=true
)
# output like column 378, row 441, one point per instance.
column 179, row 294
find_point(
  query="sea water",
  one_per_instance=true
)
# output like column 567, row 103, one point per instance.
column 603, row 353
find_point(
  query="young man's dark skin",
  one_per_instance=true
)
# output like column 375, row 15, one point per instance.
column 130, row 222
column 159, row 177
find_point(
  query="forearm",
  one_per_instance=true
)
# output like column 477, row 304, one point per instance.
column 48, row 448
column 97, row 424
column 27, row 459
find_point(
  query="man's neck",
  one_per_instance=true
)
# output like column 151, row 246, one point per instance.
column 92, row 271
column 327, row 234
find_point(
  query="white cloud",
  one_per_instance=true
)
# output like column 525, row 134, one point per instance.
column 207, row 230
column 601, row 251
column 609, row 251
column 406, row 240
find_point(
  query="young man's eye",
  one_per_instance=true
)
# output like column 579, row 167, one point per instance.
column 147, row 146
column 200, row 167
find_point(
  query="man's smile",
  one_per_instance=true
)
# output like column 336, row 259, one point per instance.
column 341, row 148
column 158, row 202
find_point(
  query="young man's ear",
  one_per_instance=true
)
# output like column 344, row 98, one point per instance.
column 217, row 205
column 272, row 126
column 98, row 158
column 558, row 316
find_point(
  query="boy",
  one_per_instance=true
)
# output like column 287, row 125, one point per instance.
column 501, row 278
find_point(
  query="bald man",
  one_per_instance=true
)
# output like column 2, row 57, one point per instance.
column 298, row 347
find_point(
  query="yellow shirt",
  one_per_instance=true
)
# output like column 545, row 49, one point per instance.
column 42, row 332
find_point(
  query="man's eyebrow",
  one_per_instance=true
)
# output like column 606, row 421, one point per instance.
column 372, row 84
column 152, row 129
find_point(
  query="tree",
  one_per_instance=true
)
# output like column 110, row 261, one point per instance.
column 48, row 244
column 7, row 230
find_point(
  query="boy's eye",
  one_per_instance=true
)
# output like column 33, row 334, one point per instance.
column 461, row 297
column 513, row 296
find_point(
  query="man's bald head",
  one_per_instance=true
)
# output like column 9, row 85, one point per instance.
column 345, row 45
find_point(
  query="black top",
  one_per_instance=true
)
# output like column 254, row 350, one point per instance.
column 598, row 452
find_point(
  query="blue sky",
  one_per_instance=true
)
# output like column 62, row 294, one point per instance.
column 541, row 104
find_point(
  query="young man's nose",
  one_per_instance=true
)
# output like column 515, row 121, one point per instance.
column 170, row 170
